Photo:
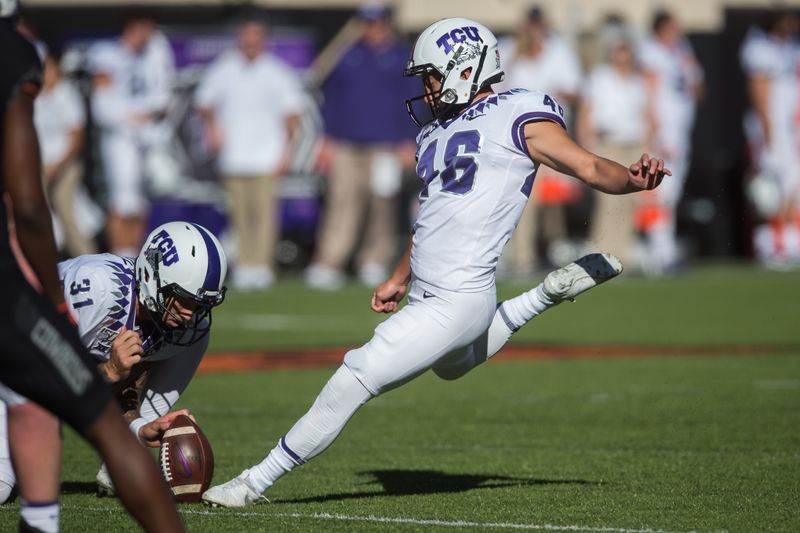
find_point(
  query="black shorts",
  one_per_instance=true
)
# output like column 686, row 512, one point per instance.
column 42, row 357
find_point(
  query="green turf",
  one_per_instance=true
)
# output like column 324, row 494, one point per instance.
column 710, row 306
column 694, row 443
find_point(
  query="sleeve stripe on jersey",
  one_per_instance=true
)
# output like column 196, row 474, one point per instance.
column 518, row 129
column 214, row 270
column 130, row 323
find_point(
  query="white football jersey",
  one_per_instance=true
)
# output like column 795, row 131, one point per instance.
column 677, row 72
column 100, row 291
column 477, row 177
column 763, row 55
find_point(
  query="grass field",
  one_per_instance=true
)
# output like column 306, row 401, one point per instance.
column 704, row 441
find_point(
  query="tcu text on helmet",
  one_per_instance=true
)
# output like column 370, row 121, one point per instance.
column 458, row 35
column 169, row 254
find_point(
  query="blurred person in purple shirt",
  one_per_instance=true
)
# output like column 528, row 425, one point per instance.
column 369, row 139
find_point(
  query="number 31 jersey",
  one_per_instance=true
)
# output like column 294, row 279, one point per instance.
column 100, row 291
column 477, row 176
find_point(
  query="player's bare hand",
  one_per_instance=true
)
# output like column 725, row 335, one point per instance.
column 647, row 173
column 151, row 433
column 126, row 351
column 387, row 296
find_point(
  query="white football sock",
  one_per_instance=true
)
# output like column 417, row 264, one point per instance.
column 339, row 399
column 519, row 310
column 42, row 516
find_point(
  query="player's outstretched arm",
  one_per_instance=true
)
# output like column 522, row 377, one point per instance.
column 391, row 292
column 548, row 143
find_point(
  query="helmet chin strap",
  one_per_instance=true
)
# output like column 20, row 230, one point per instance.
column 475, row 88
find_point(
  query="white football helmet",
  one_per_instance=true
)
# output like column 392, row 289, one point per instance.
column 184, row 260
column 463, row 55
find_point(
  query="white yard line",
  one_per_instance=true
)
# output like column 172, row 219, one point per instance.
column 397, row 520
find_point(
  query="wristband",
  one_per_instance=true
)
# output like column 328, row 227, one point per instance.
column 136, row 425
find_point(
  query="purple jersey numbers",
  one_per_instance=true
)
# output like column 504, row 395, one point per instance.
column 460, row 165
column 425, row 169
column 553, row 105
column 79, row 289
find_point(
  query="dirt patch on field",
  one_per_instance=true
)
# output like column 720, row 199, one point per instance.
column 325, row 357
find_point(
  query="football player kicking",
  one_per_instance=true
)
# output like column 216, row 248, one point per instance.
column 146, row 321
column 40, row 353
column 477, row 157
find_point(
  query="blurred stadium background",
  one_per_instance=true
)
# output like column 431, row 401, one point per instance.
column 714, row 217
column 701, row 435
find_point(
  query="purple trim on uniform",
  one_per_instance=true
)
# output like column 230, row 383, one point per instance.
column 130, row 322
column 26, row 503
column 290, row 453
column 518, row 128
column 213, row 272
column 505, row 318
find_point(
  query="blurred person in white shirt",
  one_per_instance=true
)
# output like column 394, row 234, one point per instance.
column 60, row 120
column 770, row 61
column 675, row 81
column 251, row 103
column 132, row 88
column 610, row 123
column 539, row 59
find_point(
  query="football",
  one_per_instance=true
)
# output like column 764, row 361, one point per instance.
column 186, row 460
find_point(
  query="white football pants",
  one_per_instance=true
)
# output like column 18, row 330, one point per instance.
column 434, row 324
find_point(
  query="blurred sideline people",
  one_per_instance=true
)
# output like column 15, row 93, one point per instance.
column 539, row 59
column 770, row 62
column 613, row 121
column 370, row 140
column 251, row 102
column 675, row 81
column 132, row 88
column 60, row 121
column 41, row 355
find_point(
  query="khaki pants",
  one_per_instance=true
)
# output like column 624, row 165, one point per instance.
column 353, row 209
column 253, row 206
column 62, row 191
column 612, row 227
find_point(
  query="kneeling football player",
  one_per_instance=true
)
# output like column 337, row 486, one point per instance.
column 147, row 321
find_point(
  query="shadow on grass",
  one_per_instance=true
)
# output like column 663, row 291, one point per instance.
column 78, row 487
column 421, row 482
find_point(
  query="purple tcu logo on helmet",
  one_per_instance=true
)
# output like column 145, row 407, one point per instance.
column 169, row 254
column 458, row 35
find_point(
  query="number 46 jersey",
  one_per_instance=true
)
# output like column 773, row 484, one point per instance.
column 477, row 176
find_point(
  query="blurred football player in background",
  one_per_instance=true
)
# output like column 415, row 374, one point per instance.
column 539, row 59
column 368, row 141
column 770, row 58
column 675, row 82
column 146, row 320
column 478, row 153
column 251, row 103
column 41, row 355
column 614, row 121
column 60, row 120
column 132, row 87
